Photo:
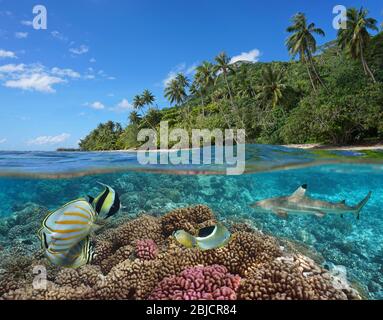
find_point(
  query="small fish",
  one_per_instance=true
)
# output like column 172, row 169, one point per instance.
column 299, row 203
column 213, row 237
column 65, row 233
column 107, row 203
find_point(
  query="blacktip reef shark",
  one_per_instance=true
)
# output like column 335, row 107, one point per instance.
column 300, row 203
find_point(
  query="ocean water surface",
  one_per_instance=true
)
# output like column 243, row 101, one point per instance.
column 50, row 179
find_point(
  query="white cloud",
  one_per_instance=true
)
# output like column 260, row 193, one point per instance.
column 123, row 106
column 46, row 140
column 26, row 23
column 93, row 60
column 21, row 35
column 3, row 140
column 7, row 54
column 80, row 50
column 191, row 69
column 36, row 82
column 97, row 105
column 251, row 56
column 35, row 77
column 182, row 67
column 59, row 36
column 65, row 73
column 6, row 13
column 12, row 68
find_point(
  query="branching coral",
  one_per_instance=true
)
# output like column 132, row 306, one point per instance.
column 128, row 266
column 198, row 283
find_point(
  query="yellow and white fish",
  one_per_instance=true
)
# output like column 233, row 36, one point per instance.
column 76, row 257
column 65, row 233
column 213, row 237
column 107, row 203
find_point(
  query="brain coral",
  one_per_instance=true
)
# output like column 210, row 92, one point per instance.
column 293, row 278
column 251, row 266
column 198, row 283
column 146, row 249
column 187, row 219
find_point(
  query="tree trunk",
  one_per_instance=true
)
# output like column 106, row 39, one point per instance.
column 317, row 74
column 319, row 78
column 310, row 75
column 203, row 105
column 366, row 68
column 233, row 106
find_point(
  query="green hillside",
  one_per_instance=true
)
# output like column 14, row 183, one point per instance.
column 330, row 94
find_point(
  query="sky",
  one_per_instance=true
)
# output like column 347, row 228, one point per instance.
column 58, row 83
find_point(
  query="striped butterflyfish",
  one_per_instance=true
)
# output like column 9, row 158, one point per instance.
column 212, row 237
column 77, row 256
column 107, row 203
column 66, row 229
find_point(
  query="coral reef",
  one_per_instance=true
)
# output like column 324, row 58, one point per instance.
column 140, row 259
column 198, row 283
column 146, row 249
column 189, row 219
column 347, row 242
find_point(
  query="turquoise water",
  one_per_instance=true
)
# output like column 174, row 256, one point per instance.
column 52, row 179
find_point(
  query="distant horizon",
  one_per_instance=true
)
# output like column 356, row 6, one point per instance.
column 57, row 84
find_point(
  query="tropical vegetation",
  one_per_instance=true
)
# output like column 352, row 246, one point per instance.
column 331, row 94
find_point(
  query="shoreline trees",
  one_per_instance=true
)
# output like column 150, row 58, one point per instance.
column 276, row 102
column 356, row 38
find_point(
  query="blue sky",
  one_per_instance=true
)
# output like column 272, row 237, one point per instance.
column 58, row 84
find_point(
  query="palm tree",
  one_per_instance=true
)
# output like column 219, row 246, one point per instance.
column 138, row 102
column 302, row 42
column 223, row 65
column 355, row 37
column 135, row 117
column 244, row 85
column 204, row 78
column 174, row 92
column 272, row 85
column 183, row 81
column 205, row 73
column 196, row 88
column 148, row 98
column 153, row 117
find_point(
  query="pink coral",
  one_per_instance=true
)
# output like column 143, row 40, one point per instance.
column 199, row 283
column 146, row 249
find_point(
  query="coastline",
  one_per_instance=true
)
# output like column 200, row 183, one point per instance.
column 318, row 146
column 308, row 146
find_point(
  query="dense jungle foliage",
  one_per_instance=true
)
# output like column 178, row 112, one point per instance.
column 331, row 94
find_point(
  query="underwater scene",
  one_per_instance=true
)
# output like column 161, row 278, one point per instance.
column 270, row 252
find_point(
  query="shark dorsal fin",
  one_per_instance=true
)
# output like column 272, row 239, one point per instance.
column 300, row 192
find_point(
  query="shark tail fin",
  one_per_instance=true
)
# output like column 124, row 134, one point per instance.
column 361, row 205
